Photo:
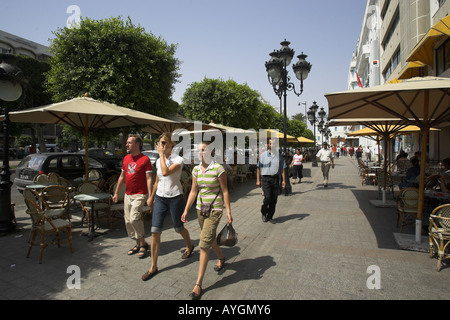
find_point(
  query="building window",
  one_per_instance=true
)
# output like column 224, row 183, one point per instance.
column 443, row 58
column 391, row 30
column 393, row 63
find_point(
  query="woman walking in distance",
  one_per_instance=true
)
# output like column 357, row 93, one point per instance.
column 297, row 165
column 209, row 180
column 167, row 195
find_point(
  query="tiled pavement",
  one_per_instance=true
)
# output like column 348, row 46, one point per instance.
column 323, row 246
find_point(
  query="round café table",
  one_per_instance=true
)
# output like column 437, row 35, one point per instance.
column 92, row 198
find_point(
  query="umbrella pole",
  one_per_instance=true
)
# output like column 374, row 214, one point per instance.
column 423, row 160
column 86, row 147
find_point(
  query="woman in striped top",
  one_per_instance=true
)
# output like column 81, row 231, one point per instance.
column 209, row 185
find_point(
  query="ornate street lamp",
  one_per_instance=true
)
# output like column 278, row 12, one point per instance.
column 313, row 120
column 11, row 81
column 278, row 77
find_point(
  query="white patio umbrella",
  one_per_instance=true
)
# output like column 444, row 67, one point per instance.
column 86, row 115
column 424, row 102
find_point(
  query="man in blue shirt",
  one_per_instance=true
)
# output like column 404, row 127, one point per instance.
column 270, row 163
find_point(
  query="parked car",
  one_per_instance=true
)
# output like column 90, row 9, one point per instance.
column 104, row 156
column 153, row 156
column 67, row 165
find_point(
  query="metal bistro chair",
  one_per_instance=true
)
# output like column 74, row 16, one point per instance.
column 407, row 206
column 46, row 227
column 439, row 233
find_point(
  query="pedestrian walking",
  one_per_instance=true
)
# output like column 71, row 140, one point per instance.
column 270, row 163
column 137, row 176
column 368, row 153
column 326, row 157
column 167, row 196
column 297, row 166
column 209, row 187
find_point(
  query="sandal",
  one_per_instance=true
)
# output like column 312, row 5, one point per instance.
column 134, row 250
column 143, row 251
column 188, row 253
column 195, row 296
column 148, row 275
column 219, row 267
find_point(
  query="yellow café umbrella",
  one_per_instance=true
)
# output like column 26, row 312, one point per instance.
column 304, row 140
column 280, row 135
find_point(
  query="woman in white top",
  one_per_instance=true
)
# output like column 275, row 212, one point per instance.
column 167, row 195
column 297, row 165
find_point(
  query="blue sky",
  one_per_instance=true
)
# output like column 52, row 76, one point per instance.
column 227, row 39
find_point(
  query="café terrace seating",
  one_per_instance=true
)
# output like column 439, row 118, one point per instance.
column 439, row 233
column 49, row 229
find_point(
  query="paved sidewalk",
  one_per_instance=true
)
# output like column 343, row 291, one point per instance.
column 323, row 246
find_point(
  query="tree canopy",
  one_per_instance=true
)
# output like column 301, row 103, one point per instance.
column 114, row 61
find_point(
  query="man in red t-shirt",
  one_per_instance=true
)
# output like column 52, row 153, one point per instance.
column 137, row 176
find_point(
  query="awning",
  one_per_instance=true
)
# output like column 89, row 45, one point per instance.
column 424, row 50
column 411, row 70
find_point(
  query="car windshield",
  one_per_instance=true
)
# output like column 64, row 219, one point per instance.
column 31, row 162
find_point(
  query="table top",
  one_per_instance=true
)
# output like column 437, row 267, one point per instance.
column 91, row 196
column 40, row 185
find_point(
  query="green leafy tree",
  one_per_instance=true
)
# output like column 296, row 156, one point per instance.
column 115, row 61
column 223, row 102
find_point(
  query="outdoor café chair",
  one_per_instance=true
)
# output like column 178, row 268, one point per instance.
column 407, row 206
column 48, row 229
column 117, row 208
column 439, row 233
column 56, row 197
column 104, row 206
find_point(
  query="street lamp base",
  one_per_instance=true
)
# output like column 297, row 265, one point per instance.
column 288, row 190
column 7, row 227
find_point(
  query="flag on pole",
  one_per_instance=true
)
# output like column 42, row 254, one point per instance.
column 359, row 80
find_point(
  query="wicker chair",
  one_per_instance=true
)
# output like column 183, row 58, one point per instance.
column 89, row 187
column 56, row 197
column 30, row 195
column 117, row 208
column 389, row 182
column 367, row 175
column 47, row 228
column 41, row 178
column 242, row 172
column 439, row 233
column 407, row 206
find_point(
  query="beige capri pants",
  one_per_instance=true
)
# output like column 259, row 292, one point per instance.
column 134, row 224
column 209, row 228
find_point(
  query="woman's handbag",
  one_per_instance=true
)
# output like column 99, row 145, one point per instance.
column 206, row 208
column 227, row 237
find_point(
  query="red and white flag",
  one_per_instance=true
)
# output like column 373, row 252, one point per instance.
column 359, row 80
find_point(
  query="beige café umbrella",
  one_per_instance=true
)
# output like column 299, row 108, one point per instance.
column 424, row 102
column 86, row 115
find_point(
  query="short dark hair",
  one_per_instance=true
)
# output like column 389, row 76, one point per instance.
column 446, row 161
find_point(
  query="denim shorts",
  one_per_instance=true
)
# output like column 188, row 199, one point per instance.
column 162, row 205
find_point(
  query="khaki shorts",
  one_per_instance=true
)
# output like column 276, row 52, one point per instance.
column 209, row 228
